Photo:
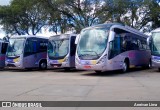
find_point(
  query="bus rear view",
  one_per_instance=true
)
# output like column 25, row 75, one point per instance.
column 112, row 46
column 61, row 51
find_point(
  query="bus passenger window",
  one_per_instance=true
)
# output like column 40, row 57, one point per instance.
column 30, row 47
column 43, row 46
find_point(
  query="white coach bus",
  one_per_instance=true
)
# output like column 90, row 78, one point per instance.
column 154, row 42
column 3, row 48
column 27, row 52
column 112, row 46
column 61, row 51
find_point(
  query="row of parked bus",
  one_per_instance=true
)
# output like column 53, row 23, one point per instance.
column 110, row 46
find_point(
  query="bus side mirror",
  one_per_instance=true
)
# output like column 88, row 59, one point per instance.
column 149, row 41
column 77, row 39
column 111, row 36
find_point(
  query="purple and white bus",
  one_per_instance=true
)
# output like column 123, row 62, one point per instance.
column 3, row 48
column 27, row 52
column 154, row 43
column 61, row 51
column 112, row 46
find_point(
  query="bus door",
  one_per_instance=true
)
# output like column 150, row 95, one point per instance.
column 72, row 51
column 30, row 54
column 3, row 49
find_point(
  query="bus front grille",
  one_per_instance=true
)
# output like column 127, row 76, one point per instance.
column 11, row 65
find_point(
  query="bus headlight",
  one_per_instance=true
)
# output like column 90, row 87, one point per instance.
column 66, row 59
column 16, row 60
column 102, row 60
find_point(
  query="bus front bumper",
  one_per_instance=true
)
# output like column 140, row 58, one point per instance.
column 96, row 67
column 58, row 65
column 15, row 65
column 155, row 64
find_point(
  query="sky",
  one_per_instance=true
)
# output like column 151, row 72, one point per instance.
column 4, row 2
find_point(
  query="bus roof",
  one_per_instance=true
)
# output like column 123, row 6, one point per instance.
column 29, row 36
column 62, row 36
column 156, row 30
column 129, row 29
column 111, row 26
column 105, row 25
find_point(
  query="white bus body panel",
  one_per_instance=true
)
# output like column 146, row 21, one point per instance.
column 136, row 57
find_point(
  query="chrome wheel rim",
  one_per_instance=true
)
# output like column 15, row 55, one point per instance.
column 124, row 67
column 43, row 65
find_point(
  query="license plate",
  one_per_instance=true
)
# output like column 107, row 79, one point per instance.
column 87, row 67
column 54, row 62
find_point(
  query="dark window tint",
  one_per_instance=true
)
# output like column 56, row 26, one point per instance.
column 30, row 47
column 4, row 48
column 73, row 46
column 43, row 46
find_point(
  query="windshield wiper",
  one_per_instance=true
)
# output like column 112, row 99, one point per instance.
column 91, row 51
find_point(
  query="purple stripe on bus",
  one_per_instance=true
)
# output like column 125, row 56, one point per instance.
column 2, row 58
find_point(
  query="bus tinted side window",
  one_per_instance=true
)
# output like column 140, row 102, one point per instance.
column 30, row 47
column 130, row 42
column 134, row 44
column 4, row 48
column 43, row 46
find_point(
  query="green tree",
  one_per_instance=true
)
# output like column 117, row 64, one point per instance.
column 77, row 14
column 23, row 17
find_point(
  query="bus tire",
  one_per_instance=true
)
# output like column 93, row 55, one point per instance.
column 159, row 69
column 43, row 65
column 125, row 66
column 150, row 64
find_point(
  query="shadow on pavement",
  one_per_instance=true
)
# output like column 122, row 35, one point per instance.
column 66, row 71
column 60, row 70
column 115, row 73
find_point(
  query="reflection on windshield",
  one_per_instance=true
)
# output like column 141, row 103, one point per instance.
column 15, row 47
column 58, row 48
column 156, row 44
column 92, row 44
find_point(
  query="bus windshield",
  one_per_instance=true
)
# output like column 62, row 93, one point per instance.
column 15, row 46
column 93, row 43
column 156, row 43
column 58, row 48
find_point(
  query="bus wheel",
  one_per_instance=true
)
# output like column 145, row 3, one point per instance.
column 158, row 69
column 43, row 65
column 150, row 64
column 125, row 66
